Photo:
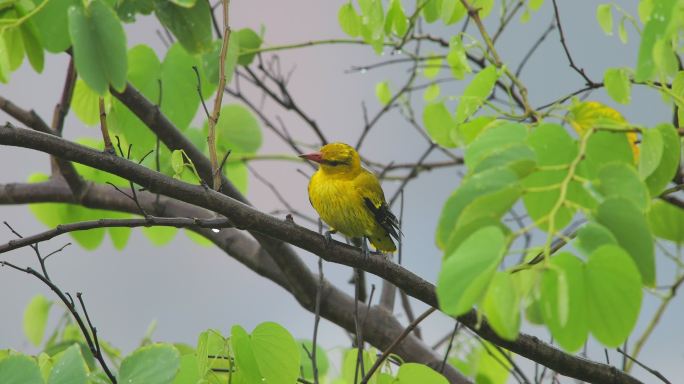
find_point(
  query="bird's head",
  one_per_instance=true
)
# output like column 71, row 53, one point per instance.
column 336, row 158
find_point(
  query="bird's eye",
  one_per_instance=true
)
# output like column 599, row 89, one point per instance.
column 334, row 162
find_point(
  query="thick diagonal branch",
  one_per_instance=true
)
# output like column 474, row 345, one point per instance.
column 336, row 306
column 263, row 226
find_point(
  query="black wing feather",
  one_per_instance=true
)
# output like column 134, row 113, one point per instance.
column 384, row 217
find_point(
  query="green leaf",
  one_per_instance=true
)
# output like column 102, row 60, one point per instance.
column 622, row 31
column 410, row 373
column 452, row 11
column 592, row 236
column 211, row 63
column 160, row 236
column 238, row 174
column 613, row 295
column 563, row 301
column 485, row 210
column 372, row 18
column 248, row 41
column 618, row 86
column 667, row 221
column 35, row 318
column 669, row 162
column 383, row 93
column 52, row 24
column 70, row 368
column 493, row 366
column 655, row 30
column 432, row 67
column 432, row 10
column 396, row 19
column 622, row 180
column 472, row 188
column 651, row 151
column 501, row 305
column 237, row 130
column 502, row 145
column 457, row 58
column 552, row 144
column 85, row 103
column 44, row 363
column 604, row 16
column 127, row 9
column 605, row 147
column 476, row 93
column 467, row 272
column 244, row 355
column 470, row 130
column 99, row 46
column 191, row 26
column 119, row 235
column 177, row 161
column 14, row 44
column 484, row 7
column 152, row 364
column 188, row 373
column 144, row 72
column 349, row 20
column 271, row 349
column 322, row 362
column 199, row 239
column 535, row 4
column 180, row 99
column 276, row 352
column 542, row 196
column 184, row 3
column 19, row 369
column 439, row 123
column 431, row 93
column 29, row 35
column 664, row 58
column 211, row 348
column 628, row 225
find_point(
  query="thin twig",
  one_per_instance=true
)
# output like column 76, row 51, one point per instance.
column 69, row 303
column 149, row 221
column 108, row 147
column 317, row 319
column 580, row 71
column 451, row 342
column 394, row 344
column 650, row 370
column 213, row 120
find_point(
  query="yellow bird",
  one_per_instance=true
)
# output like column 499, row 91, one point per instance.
column 349, row 198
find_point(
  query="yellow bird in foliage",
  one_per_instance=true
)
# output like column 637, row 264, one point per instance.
column 349, row 198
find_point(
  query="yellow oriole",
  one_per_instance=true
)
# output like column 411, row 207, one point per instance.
column 349, row 198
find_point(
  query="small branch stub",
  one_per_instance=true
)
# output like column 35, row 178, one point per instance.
column 213, row 119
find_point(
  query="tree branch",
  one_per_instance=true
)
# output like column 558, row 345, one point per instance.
column 262, row 225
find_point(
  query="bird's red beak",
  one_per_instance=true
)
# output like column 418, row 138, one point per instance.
column 314, row 156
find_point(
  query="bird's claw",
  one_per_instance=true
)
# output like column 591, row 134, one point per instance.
column 328, row 238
